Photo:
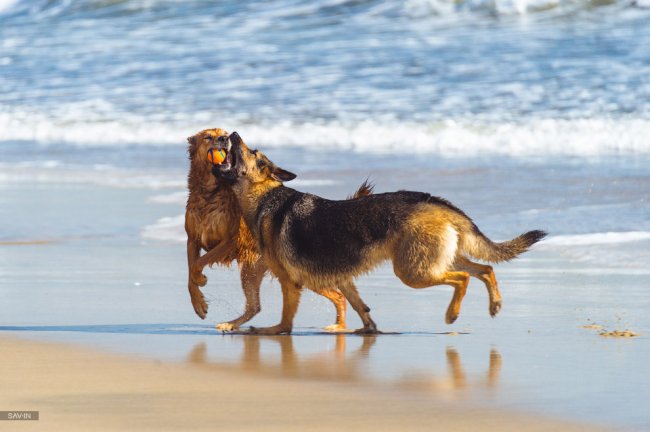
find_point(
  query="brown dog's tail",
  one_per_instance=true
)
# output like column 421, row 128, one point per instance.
column 365, row 189
column 477, row 245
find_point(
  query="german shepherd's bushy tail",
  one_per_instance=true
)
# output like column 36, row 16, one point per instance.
column 477, row 245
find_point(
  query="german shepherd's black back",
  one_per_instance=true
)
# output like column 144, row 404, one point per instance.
column 333, row 235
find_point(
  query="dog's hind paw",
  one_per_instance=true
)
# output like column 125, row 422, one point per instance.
column 367, row 331
column 336, row 328
column 227, row 327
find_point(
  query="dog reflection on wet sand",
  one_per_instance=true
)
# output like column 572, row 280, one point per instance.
column 457, row 376
column 340, row 363
column 333, row 364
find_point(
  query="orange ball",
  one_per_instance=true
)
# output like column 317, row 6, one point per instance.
column 216, row 156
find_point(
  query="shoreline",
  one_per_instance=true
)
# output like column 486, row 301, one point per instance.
column 76, row 388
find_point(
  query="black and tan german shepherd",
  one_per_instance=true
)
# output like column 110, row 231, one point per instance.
column 308, row 241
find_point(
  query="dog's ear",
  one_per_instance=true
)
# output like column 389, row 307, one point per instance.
column 192, row 140
column 282, row 175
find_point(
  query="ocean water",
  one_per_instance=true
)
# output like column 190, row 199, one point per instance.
column 531, row 78
column 527, row 114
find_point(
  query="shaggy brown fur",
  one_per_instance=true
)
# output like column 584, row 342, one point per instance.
column 308, row 241
column 213, row 223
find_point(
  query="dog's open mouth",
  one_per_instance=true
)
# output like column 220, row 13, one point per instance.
column 221, row 155
column 226, row 167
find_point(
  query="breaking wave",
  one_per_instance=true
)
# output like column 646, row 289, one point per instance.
column 543, row 137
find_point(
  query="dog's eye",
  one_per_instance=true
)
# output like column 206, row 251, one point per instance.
column 221, row 139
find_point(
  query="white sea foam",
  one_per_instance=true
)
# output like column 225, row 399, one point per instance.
column 603, row 253
column 464, row 137
column 171, row 198
column 607, row 238
column 56, row 172
column 167, row 229
column 428, row 8
column 7, row 5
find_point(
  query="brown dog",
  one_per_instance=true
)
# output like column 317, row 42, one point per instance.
column 213, row 222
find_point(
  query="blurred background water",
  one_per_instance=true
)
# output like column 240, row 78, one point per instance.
column 532, row 78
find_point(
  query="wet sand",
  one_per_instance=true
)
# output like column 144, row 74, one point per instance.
column 81, row 390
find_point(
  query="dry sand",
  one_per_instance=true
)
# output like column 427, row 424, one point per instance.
column 80, row 390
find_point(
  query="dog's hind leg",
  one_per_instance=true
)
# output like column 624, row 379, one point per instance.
column 338, row 299
column 350, row 292
column 457, row 279
column 425, row 256
column 290, row 299
column 251, row 275
column 486, row 274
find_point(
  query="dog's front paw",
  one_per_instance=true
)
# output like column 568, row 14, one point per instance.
column 227, row 327
column 451, row 316
column 199, row 303
column 495, row 307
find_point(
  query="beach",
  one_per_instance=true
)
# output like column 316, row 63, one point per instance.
column 526, row 115
column 77, row 389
